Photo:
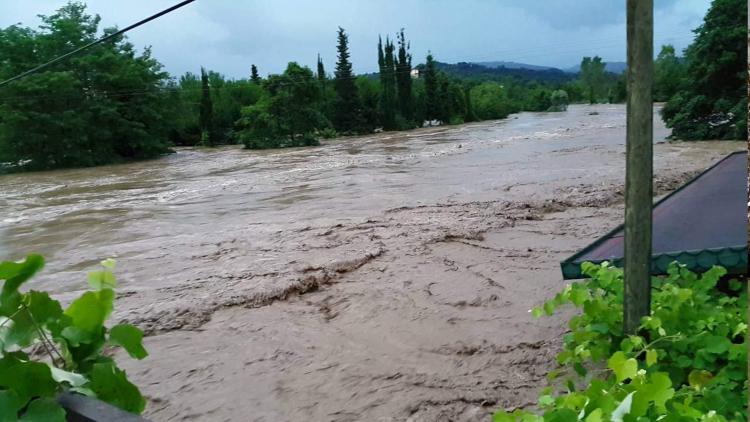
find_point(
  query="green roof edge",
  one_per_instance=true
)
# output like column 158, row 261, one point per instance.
column 571, row 267
column 733, row 258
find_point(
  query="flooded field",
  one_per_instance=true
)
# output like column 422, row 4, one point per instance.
column 383, row 277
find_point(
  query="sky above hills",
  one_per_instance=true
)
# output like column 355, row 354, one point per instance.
column 229, row 35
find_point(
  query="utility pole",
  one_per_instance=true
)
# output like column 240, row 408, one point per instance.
column 639, row 163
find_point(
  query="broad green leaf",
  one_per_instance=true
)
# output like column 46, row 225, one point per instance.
column 594, row 416
column 546, row 400
column 109, row 264
column 660, row 390
column 699, row 378
column 717, row 344
column 104, row 279
column 623, row 408
column 623, row 367
column 42, row 307
column 112, row 386
column 75, row 380
column 15, row 274
column 89, row 311
column 130, row 338
column 75, row 336
column 651, row 357
column 537, row 312
column 10, row 404
column 44, row 409
column 503, row 416
column 20, row 333
column 560, row 415
column 28, row 379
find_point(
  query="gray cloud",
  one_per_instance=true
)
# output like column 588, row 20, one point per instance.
column 228, row 36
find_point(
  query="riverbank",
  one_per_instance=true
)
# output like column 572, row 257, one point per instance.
column 419, row 255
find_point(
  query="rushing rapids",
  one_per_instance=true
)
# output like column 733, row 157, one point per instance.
column 383, row 277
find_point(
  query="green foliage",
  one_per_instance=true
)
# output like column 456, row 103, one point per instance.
column 491, row 101
column 289, row 115
column 347, row 107
column 403, row 81
column 254, row 77
column 431, row 100
column 689, row 362
column 388, row 99
column 669, row 72
column 559, row 100
column 206, row 117
column 711, row 102
column 102, row 106
column 73, row 339
column 593, row 78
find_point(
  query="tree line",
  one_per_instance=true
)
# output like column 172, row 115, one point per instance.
column 113, row 104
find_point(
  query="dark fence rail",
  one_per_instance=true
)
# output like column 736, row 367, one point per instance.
column 80, row 408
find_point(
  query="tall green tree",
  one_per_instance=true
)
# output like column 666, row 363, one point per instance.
column 206, row 111
column 321, row 73
column 388, row 100
column 288, row 115
column 77, row 113
column 669, row 72
column 403, row 78
column 712, row 101
column 347, row 107
column 254, row 74
column 593, row 78
column 431, row 100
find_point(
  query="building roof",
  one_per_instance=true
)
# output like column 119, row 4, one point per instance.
column 701, row 224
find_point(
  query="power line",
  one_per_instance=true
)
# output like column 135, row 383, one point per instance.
column 93, row 43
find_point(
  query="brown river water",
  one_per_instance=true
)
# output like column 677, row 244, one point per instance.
column 384, row 277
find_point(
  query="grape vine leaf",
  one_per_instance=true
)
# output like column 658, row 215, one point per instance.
column 623, row 367
column 112, row 386
column 43, row 410
column 130, row 338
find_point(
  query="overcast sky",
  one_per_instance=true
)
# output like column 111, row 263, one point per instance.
column 229, row 35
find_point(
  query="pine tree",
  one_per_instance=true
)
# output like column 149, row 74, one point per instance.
column 403, row 78
column 347, row 108
column 321, row 72
column 206, row 111
column 387, row 84
column 431, row 100
column 254, row 74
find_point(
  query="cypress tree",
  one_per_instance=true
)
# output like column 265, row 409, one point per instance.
column 347, row 114
column 321, row 71
column 403, row 78
column 431, row 100
column 254, row 74
column 206, row 111
column 387, row 84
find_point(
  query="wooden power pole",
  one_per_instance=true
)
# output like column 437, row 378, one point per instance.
column 639, row 163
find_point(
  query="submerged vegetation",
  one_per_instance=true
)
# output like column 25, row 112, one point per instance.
column 689, row 362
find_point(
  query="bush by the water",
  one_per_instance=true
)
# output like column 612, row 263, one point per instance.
column 689, row 362
column 46, row 350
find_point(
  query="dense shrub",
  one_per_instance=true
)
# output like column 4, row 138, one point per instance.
column 689, row 362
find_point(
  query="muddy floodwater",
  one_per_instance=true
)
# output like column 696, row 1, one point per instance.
column 381, row 278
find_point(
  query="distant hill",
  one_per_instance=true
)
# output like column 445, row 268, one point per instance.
column 485, row 72
column 514, row 65
column 612, row 67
